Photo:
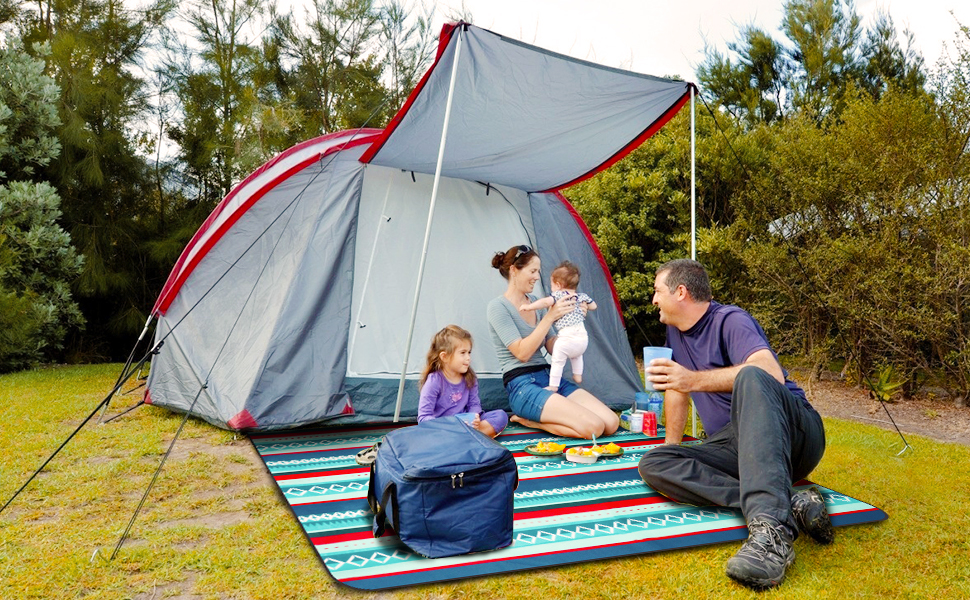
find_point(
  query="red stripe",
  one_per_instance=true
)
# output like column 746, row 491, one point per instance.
column 584, row 508
column 345, row 537
column 320, row 474
column 622, row 152
column 179, row 274
column 443, row 40
column 596, row 250
column 528, row 556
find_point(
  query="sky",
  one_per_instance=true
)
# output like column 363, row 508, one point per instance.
column 668, row 38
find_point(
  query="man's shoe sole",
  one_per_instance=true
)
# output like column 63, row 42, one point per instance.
column 756, row 584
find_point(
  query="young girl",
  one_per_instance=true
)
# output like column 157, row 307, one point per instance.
column 449, row 386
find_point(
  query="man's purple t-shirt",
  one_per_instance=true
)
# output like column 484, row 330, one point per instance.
column 725, row 336
column 441, row 398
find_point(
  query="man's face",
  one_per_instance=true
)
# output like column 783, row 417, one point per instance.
column 664, row 298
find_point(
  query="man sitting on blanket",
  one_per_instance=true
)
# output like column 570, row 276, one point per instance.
column 763, row 435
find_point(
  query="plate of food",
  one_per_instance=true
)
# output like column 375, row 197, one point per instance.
column 610, row 450
column 581, row 455
column 545, row 449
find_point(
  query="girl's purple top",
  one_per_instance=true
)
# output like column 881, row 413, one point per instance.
column 441, row 398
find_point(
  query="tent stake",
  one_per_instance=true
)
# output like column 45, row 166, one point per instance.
column 427, row 229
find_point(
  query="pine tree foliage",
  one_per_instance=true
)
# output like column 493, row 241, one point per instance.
column 37, row 260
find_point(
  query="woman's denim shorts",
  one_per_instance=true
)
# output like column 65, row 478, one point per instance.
column 527, row 393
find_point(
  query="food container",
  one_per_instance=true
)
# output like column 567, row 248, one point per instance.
column 586, row 459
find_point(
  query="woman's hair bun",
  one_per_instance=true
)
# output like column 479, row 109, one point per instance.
column 498, row 260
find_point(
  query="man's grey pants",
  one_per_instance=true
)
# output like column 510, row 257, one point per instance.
column 773, row 440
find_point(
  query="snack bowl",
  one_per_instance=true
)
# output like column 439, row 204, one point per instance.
column 586, row 459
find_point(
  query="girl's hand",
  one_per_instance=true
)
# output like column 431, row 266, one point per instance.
column 477, row 422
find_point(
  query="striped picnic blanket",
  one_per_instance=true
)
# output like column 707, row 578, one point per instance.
column 564, row 512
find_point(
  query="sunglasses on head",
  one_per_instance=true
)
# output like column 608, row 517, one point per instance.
column 523, row 249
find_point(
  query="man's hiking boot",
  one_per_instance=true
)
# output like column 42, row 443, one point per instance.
column 808, row 508
column 761, row 562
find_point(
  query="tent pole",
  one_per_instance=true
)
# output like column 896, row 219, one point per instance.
column 427, row 229
column 693, row 226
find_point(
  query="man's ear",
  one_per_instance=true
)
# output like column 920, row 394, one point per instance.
column 681, row 292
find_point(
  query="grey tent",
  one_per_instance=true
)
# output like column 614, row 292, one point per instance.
column 296, row 300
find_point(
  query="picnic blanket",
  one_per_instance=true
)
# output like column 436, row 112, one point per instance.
column 564, row 512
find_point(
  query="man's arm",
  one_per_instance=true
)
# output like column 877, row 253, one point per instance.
column 667, row 375
column 675, row 413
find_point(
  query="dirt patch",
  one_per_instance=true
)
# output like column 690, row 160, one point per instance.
column 177, row 587
column 923, row 415
column 213, row 521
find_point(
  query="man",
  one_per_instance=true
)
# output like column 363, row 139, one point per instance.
column 763, row 435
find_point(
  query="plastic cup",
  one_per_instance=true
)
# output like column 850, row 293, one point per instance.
column 650, row 424
column 467, row 417
column 650, row 353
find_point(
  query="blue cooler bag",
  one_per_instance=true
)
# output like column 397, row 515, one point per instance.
column 445, row 488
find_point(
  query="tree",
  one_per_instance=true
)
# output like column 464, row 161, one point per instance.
column 887, row 63
column 212, row 74
column 106, row 187
column 335, row 72
column 37, row 260
column 753, row 88
column 823, row 58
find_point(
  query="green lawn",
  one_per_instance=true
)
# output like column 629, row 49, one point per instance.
column 214, row 527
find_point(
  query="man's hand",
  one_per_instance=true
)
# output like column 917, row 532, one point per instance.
column 665, row 375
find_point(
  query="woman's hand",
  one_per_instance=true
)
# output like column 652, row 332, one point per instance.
column 561, row 308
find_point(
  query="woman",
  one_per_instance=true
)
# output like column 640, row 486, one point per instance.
column 518, row 336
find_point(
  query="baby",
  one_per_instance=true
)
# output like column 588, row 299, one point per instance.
column 572, row 339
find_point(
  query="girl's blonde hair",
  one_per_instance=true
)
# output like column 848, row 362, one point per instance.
column 446, row 341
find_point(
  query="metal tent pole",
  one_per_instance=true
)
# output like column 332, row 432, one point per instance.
column 693, row 226
column 427, row 229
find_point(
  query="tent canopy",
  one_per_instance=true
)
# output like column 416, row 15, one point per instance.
column 322, row 242
column 523, row 116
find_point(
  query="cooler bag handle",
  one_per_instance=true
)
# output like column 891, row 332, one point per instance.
column 380, row 519
column 371, row 494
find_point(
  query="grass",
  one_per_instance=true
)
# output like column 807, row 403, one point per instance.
column 215, row 528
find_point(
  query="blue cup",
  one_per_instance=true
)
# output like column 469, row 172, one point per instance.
column 467, row 417
column 650, row 353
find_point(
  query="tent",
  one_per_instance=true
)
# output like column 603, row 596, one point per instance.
column 298, row 299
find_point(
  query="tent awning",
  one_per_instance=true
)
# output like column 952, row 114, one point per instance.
column 523, row 116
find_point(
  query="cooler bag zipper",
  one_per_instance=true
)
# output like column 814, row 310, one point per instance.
column 457, row 479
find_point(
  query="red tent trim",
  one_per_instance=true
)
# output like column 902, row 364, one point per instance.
column 243, row 420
